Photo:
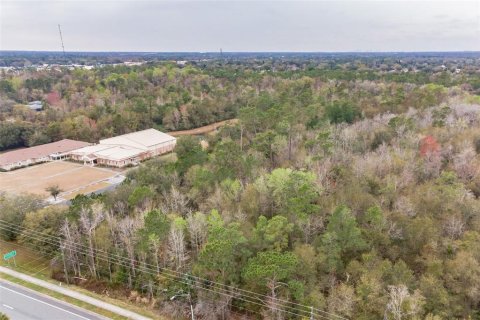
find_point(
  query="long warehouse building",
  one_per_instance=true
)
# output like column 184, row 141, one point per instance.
column 42, row 153
column 126, row 150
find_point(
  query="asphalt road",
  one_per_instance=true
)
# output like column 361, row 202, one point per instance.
column 20, row 303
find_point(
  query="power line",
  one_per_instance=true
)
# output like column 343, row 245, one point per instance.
column 173, row 278
column 126, row 262
column 123, row 261
column 51, row 255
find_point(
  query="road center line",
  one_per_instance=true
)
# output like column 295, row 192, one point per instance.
column 48, row 304
column 7, row 306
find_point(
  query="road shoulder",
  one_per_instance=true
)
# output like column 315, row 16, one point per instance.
column 49, row 300
column 73, row 294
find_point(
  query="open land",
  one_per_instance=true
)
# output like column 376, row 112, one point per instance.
column 72, row 178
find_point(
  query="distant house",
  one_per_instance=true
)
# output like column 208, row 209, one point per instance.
column 35, row 105
column 42, row 153
column 127, row 149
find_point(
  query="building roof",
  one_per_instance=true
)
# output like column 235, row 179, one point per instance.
column 41, row 151
column 107, row 151
column 90, row 149
column 118, row 153
column 125, row 146
column 141, row 139
column 35, row 105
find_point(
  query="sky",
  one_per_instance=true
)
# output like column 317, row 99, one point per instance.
column 252, row 26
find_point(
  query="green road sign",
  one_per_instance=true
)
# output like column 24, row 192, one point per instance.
column 9, row 255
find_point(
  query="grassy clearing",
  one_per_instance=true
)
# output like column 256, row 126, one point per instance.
column 27, row 260
column 34, row 264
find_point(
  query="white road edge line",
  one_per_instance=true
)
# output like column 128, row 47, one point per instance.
column 48, row 304
column 7, row 306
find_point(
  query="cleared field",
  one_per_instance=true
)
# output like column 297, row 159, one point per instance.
column 72, row 178
column 88, row 189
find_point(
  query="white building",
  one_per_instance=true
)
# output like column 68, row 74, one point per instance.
column 35, row 105
column 127, row 149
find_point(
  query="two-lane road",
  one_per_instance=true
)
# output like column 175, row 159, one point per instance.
column 20, row 303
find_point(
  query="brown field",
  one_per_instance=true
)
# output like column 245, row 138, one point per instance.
column 87, row 189
column 72, row 178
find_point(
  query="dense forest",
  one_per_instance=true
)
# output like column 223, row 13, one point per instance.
column 102, row 102
column 348, row 188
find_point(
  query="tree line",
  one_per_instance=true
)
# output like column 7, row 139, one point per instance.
column 337, row 199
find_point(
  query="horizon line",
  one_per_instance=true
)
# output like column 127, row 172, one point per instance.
column 226, row 52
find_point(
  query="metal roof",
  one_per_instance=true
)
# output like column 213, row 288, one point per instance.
column 90, row 149
column 140, row 139
column 109, row 152
column 41, row 151
column 118, row 153
column 125, row 146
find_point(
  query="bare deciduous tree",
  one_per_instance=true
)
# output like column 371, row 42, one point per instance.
column 454, row 227
column 402, row 304
column 404, row 206
column 177, row 251
column 127, row 231
column 432, row 165
column 90, row 218
column 465, row 165
column 312, row 226
column 175, row 201
column 198, row 229
column 71, row 238
column 342, row 300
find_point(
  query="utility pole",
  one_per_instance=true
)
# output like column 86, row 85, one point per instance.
column 189, row 296
column 63, row 47
column 191, row 305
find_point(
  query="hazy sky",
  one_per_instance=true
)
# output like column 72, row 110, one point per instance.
column 131, row 25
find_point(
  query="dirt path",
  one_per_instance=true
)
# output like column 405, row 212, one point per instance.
column 203, row 130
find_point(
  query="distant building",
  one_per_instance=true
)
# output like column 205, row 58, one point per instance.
column 133, row 63
column 35, row 105
column 127, row 149
column 42, row 153
column 120, row 151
